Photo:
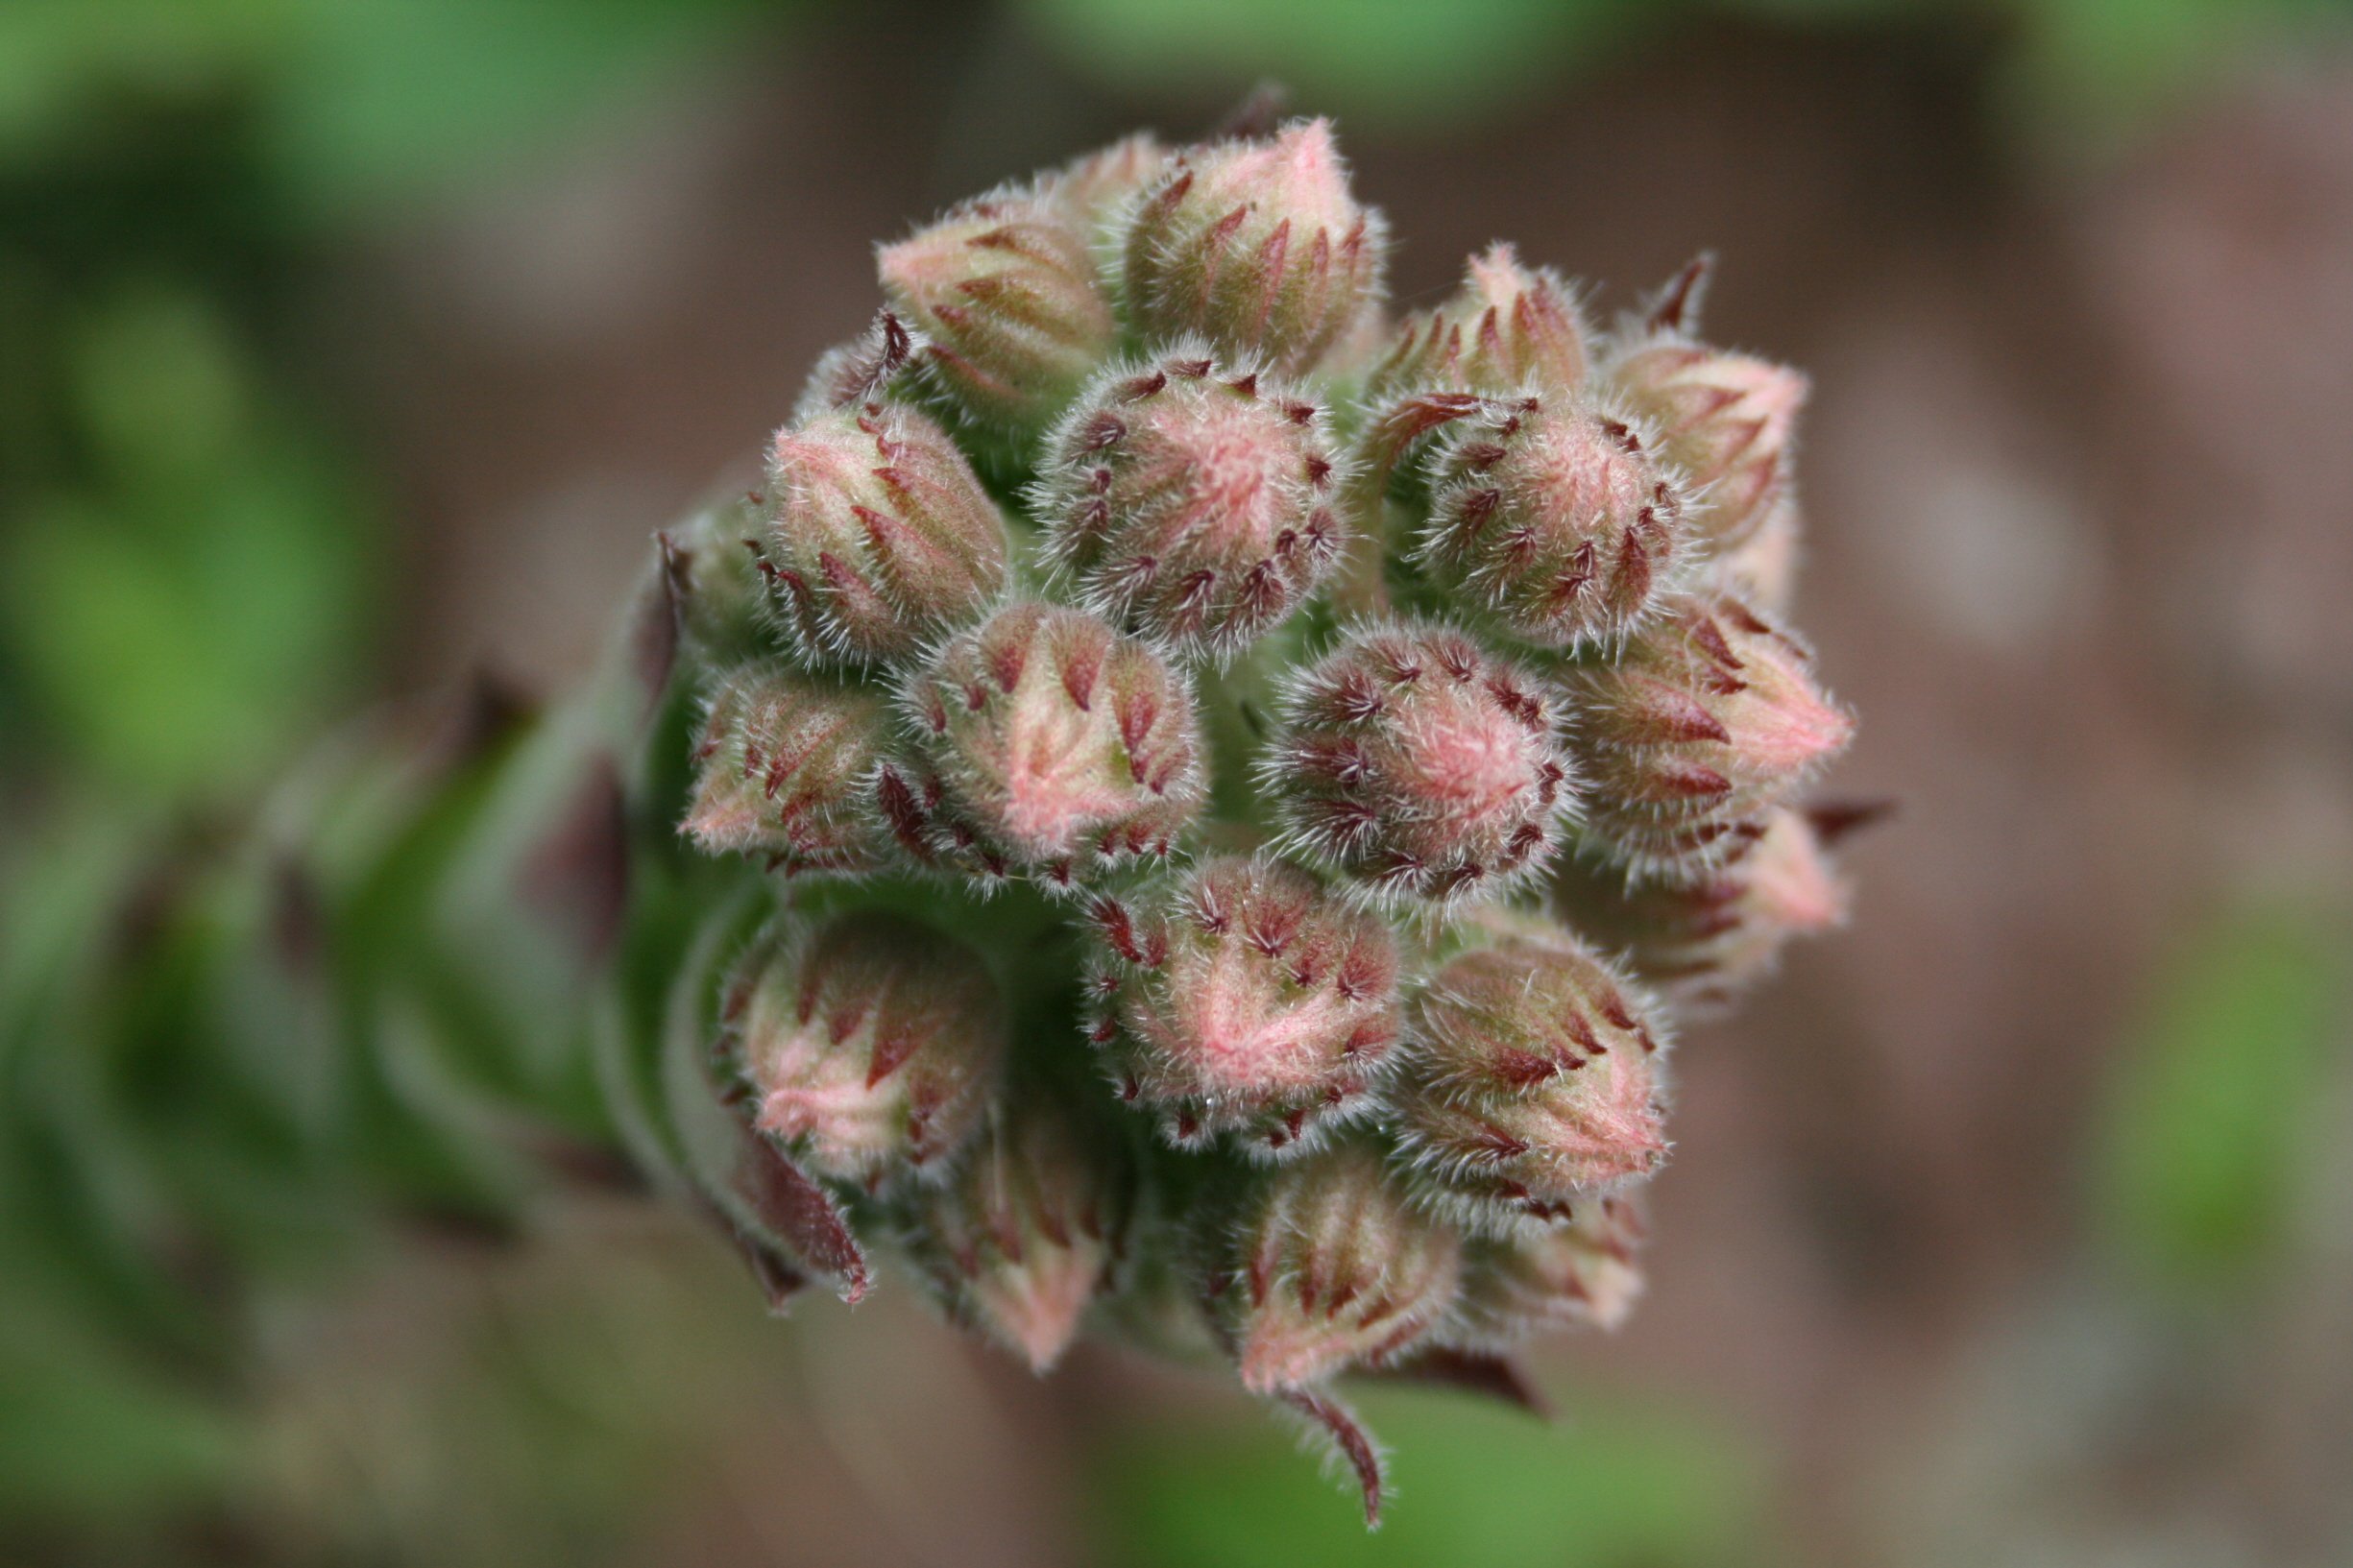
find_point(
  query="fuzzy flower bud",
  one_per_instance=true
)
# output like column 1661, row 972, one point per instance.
column 1553, row 516
column 1535, row 1081
column 1337, row 1269
column 1580, row 1272
column 787, row 768
column 1710, row 716
column 883, row 536
column 1249, row 1001
column 1059, row 740
column 1724, row 420
column 1257, row 247
column 1706, row 936
column 1761, row 570
column 870, row 1043
column 1004, row 289
column 1191, row 502
column 1093, row 190
column 1023, row 1237
column 1508, row 329
column 1419, row 765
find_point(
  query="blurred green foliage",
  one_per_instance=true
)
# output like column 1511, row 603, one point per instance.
column 2218, row 1100
column 2078, row 70
column 1613, row 1484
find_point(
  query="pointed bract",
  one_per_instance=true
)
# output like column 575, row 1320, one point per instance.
column 1418, row 765
column 1535, row 1081
column 1509, row 329
column 1003, row 289
column 870, row 1043
column 1255, row 245
column 1191, row 502
column 1337, row 1268
column 1024, row 1236
column 882, row 537
column 1247, row 998
column 1554, row 517
column 1063, row 744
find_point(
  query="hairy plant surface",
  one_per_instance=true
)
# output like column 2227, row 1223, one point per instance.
column 1183, row 809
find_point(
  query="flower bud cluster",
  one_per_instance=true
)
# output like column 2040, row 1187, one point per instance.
column 1244, row 778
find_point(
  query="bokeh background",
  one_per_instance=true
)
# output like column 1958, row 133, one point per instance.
column 350, row 347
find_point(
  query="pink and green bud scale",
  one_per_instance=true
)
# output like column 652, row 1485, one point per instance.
column 788, row 768
column 1063, row 743
column 1554, row 517
column 1724, row 420
column 1509, row 330
column 1709, row 716
column 870, row 1044
column 1418, row 764
column 1535, row 1082
column 1004, row 289
column 1025, row 1235
column 1247, row 1000
column 1708, row 933
column 1191, row 502
column 883, row 536
column 1336, row 1269
column 1581, row 1272
column 1256, row 247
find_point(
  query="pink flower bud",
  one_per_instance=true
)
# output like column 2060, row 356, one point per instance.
column 1191, row 502
column 1337, row 1269
column 1095, row 191
column 1257, row 247
column 1061, row 742
column 883, row 536
column 1578, row 1272
column 1419, row 765
column 1507, row 330
column 1246, row 1000
column 1708, row 716
column 1725, row 420
column 1024, row 1236
column 870, row 1041
column 1707, row 935
column 787, row 768
column 1553, row 516
column 1761, row 570
column 1004, row 289
column 1535, row 1079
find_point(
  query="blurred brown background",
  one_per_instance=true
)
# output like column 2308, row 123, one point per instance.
column 2013, row 1225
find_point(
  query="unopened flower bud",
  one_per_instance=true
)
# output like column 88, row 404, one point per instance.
column 1418, row 764
column 1507, row 331
column 1578, row 1272
column 1249, row 1001
column 786, row 768
column 1554, row 517
column 883, row 536
column 1761, row 570
column 1061, row 742
column 1191, row 502
column 1258, row 246
column 1004, row 289
column 1535, row 1081
column 1023, row 1237
column 1725, row 420
column 1337, row 1269
column 870, row 1043
column 1708, row 716
column 1095, row 190
column 1708, row 934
